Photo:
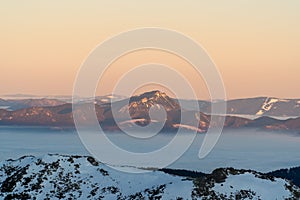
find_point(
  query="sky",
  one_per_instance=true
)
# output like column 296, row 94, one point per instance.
column 255, row 44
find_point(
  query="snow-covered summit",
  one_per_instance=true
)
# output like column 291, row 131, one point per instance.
column 80, row 177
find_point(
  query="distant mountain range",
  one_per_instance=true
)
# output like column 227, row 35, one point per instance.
column 53, row 112
column 82, row 177
column 259, row 106
column 16, row 104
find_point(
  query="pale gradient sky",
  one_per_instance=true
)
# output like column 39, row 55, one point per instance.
column 254, row 43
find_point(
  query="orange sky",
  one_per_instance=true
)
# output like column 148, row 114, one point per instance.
column 254, row 43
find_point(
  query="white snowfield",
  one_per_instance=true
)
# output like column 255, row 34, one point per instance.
column 80, row 177
column 265, row 188
column 269, row 102
column 188, row 127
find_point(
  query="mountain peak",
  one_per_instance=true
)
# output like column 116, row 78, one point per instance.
column 146, row 100
column 148, row 95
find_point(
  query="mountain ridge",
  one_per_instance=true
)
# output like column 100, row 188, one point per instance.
column 82, row 177
column 139, row 107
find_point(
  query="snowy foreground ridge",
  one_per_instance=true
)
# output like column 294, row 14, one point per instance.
column 79, row 177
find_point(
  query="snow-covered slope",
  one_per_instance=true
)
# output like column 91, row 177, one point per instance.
column 78, row 177
column 254, row 185
column 272, row 104
column 266, row 106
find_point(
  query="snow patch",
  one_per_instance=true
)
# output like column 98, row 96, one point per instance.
column 284, row 100
column 193, row 128
column 267, row 105
column 135, row 121
column 263, row 188
column 110, row 96
column 260, row 112
column 4, row 107
column 104, row 100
